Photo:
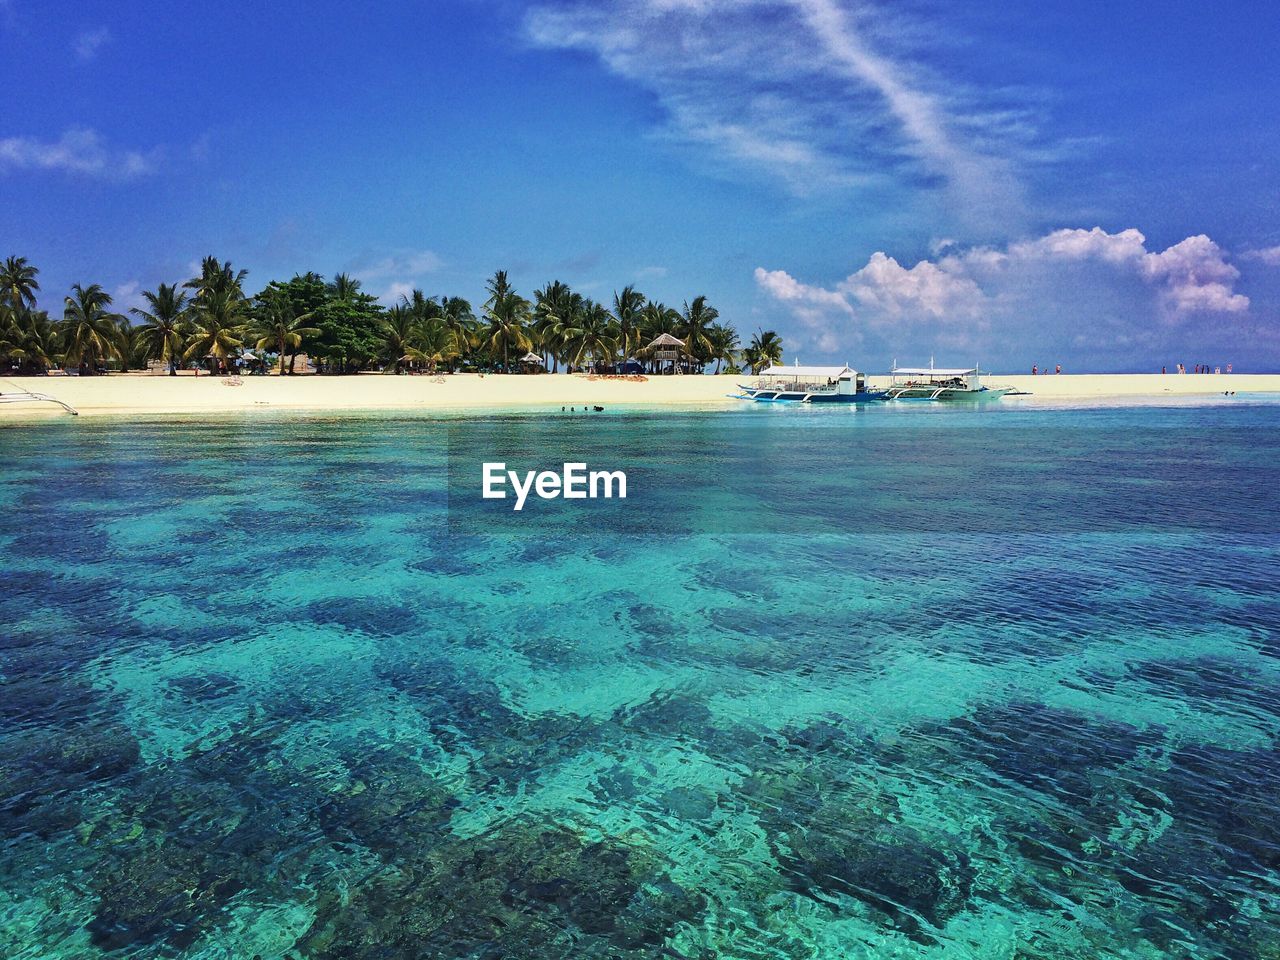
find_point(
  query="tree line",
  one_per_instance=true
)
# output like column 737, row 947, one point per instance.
column 211, row 320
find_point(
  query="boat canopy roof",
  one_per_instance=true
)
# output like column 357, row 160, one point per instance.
column 829, row 373
column 935, row 371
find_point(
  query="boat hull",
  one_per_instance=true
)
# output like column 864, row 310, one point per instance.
column 794, row 396
column 951, row 396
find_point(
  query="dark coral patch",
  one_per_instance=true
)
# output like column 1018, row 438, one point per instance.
column 368, row 615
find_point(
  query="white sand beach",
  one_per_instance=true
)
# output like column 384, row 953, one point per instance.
column 128, row 394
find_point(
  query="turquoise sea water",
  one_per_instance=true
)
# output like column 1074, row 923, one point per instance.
column 907, row 683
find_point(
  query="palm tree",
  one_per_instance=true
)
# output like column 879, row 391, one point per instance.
column 132, row 346
column 507, row 313
column 595, row 336
column 695, row 328
column 437, row 343
column 402, row 330
column 657, row 319
column 217, row 278
column 724, row 344
column 18, row 284
column 460, row 322
column 163, row 323
column 88, row 327
column 558, row 310
column 765, row 350
column 280, row 329
column 215, row 328
column 29, row 337
column 627, row 307
column 344, row 287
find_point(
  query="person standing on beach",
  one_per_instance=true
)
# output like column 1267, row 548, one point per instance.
column 1033, row 370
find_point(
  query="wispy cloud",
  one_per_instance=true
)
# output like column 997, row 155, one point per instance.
column 89, row 42
column 395, row 293
column 398, row 273
column 127, row 296
column 80, row 150
column 1268, row 255
column 403, row 264
column 813, row 93
column 1071, row 288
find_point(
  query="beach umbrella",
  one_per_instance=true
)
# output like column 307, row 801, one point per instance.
column 531, row 357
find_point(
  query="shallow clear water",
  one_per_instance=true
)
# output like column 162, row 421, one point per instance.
column 915, row 683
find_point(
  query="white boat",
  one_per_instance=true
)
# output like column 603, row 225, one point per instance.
column 939, row 383
column 796, row 384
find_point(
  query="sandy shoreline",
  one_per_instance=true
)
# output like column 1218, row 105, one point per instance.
column 140, row 394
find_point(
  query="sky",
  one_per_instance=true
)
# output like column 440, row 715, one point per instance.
column 1076, row 182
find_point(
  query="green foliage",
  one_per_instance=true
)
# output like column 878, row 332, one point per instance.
column 89, row 329
column 350, row 330
column 210, row 318
column 764, row 350
column 508, row 316
column 164, row 323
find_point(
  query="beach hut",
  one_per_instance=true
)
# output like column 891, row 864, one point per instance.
column 531, row 363
column 667, row 347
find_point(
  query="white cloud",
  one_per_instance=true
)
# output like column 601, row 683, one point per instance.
column 1078, row 286
column 395, row 293
column 400, row 272
column 1269, row 255
column 816, row 94
column 89, row 42
column 127, row 296
column 806, row 301
column 406, row 264
column 651, row 273
column 79, row 150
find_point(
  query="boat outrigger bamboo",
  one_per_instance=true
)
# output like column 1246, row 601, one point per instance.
column 778, row 384
column 28, row 397
column 930, row 383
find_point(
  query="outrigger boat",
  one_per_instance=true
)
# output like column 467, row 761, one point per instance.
column 782, row 384
column 25, row 396
column 930, row 383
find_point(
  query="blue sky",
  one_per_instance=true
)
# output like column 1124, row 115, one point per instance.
column 1080, row 182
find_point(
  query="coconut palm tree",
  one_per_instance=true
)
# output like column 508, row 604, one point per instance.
column 344, row 287
column 655, row 320
column 595, row 335
column 627, row 307
column 217, row 278
column 506, row 313
column 724, row 344
column 765, row 350
column 437, row 343
column 163, row 323
column 402, row 332
column 88, row 327
column 695, row 328
column 18, row 284
column 132, row 346
column 557, row 309
column 216, row 327
column 30, row 338
column 460, row 321
column 280, row 330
